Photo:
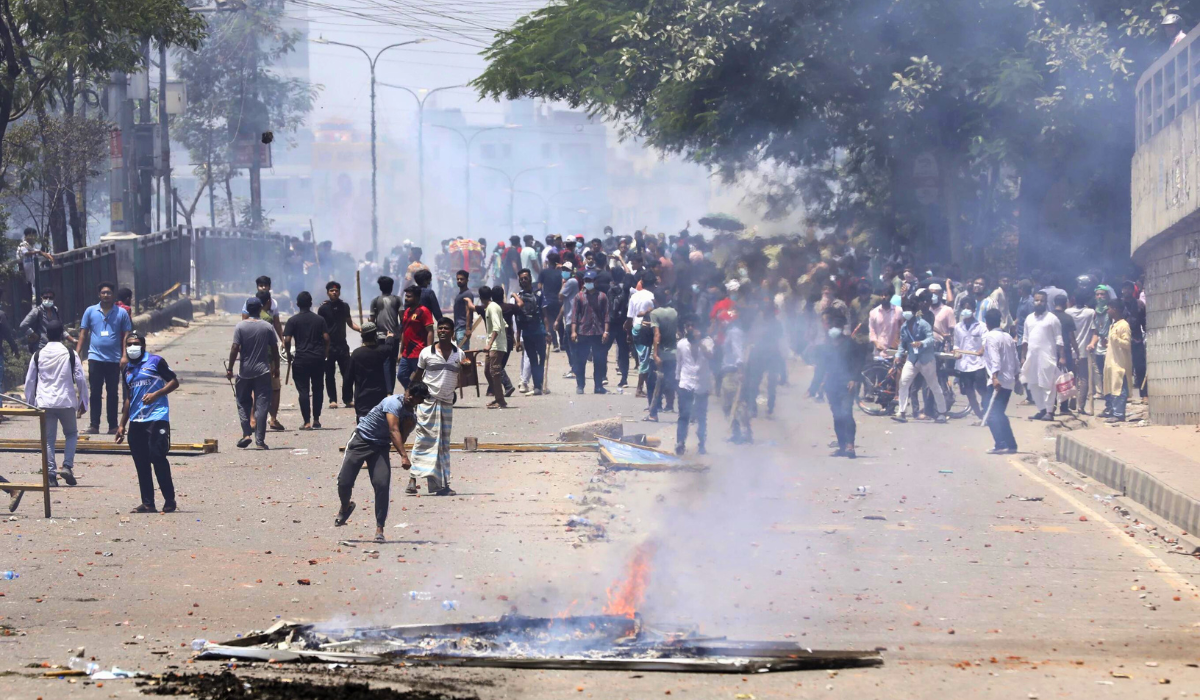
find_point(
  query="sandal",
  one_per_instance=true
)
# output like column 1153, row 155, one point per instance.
column 379, row 538
column 445, row 491
column 144, row 509
column 411, row 489
column 342, row 517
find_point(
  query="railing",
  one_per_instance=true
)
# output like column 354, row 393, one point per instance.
column 1168, row 87
column 74, row 276
column 162, row 260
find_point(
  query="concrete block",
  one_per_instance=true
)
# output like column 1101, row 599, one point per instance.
column 586, row 432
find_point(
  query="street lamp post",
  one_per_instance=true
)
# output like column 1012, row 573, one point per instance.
column 374, row 170
column 421, row 145
column 467, row 149
column 546, row 204
column 512, row 183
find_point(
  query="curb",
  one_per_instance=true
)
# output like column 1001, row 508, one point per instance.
column 1175, row 507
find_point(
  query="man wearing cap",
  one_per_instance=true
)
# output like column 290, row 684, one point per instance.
column 1173, row 30
column 366, row 376
column 589, row 330
column 257, row 345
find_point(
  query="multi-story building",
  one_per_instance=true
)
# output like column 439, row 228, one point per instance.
column 1166, row 228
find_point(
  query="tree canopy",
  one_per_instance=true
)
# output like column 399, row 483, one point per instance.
column 1016, row 98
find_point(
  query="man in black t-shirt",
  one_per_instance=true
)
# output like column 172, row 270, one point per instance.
column 308, row 364
column 366, row 371
column 337, row 318
column 549, row 283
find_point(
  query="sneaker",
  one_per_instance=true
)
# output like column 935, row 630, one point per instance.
column 1040, row 415
column 537, row 392
column 244, row 442
column 940, row 419
column 67, row 475
column 578, row 390
column 997, row 451
column 604, row 382
column 510, row 391
column 1114, row 419
column 623, row 384
column 601, row 390
column 899, row 418
column 524, row 388
column 679, row 449
column 93, row 430
column 839, row 452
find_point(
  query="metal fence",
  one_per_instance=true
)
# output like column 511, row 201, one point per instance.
column 74, row 276
column 162, row 260
column 1168, row 87
column 230, row 260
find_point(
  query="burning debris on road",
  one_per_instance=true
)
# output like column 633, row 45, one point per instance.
column 598, row 642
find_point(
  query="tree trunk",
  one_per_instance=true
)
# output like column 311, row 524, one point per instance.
column 58, row 223
column 78, row 225
column 229, row 199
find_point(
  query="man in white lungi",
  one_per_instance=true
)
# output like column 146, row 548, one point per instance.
column 1044, row 357
column 437, row 366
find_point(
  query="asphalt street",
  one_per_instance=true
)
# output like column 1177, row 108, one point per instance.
column 971, row 591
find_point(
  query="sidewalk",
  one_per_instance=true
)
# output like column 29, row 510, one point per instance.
column 1156, row 466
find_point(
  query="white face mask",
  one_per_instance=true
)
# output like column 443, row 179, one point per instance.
column 907, row 315
column 134, row 352
column 47, row 303
column 589, row 286
column 966, row 314
column 835, row 332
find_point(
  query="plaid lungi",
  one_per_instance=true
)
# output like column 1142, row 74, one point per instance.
column 430, row 454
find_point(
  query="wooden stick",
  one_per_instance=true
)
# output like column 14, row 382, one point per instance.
column 358, row 286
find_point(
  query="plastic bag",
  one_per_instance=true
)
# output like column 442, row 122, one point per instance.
column 1065, row 386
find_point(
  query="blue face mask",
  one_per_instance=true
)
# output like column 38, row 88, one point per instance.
column 566, row 274
column 589, row 286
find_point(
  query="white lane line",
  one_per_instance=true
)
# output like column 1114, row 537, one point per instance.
column 1153, row 562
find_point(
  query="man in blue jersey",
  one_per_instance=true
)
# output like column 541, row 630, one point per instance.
column 384, row 427
column 146, row 413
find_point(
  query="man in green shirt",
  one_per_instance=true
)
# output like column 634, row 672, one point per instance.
column 496, row 344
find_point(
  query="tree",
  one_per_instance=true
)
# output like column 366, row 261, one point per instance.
column 1014, row 98
column 234, row 96
column 44, row 43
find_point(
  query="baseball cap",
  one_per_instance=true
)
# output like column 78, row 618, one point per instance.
column 368, row 328
column 568, row 266
column 590, row 275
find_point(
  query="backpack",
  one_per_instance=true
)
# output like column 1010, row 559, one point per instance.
column 37, row 370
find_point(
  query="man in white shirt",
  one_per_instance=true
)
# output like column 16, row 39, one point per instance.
column 637, row 323
column 733, row 367
column 1000, row 361
column 55, row 384
column 1085, row 329
column 438, row 367
column 693, row 372
column 1043, row 356
column 968, row 349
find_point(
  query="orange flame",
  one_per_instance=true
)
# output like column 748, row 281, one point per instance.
column 624, row 597
column 566, row 613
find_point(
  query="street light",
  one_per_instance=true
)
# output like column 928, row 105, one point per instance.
column 467, row 149
column 512, row 183
column 374, row 193
column 421, row 144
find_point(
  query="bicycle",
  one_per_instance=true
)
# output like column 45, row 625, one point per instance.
column 881, row 381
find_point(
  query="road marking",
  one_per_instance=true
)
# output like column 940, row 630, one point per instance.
column 1153, row 562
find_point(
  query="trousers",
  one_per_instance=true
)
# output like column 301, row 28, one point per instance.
column 102, row 377
column 662, row 386
column 495, row 374
column 149, row 443
column 589, row 347
column 693, row 408
column 909, row 374
column 621, row 339
column 254, row 397
column 339, row 360
column 841, row 405
column 379, row 467
column 997, row 419
column 309, row 380
column 65, row 417
column 535, row 354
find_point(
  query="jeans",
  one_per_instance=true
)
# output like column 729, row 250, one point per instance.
column 379, row 467
column 909, row 374
column 308, row 383
column 149, row 443
column 495, row 374
column 65, row 416
column 338, row 360
column 995, row 405
column 734, row 405
column 569, row 348
column 408, row 365
column 622, row 342
column 1139, row 369
column 461, row 339
column 841, row 405
column 973, row 385
column 589, row 346
column 535, row 352
column 1115, row 403
column 103, row 376
column 389, row 366
column 693, row 407
column 254, row 397
column 664, row 385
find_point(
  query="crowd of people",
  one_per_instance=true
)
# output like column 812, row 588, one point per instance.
column 678, row 319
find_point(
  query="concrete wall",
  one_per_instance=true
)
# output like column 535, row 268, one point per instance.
column 1172, row 265
column 1166, row 170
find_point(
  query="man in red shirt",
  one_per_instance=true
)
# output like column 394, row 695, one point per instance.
column 416, row 332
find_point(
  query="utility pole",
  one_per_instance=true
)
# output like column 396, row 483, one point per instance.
column 120, row 147
column 467, row 150
column 164, row 134
column 255, row 143
column 144, row 152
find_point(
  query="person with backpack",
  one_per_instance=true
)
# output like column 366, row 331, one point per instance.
column 55, row 384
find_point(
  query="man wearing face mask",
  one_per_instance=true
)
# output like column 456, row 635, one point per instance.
column 566, row 313
column 38, row 320
column 1044, row 356
column 618, row 307
column 917, row 352
column 885, row 321
column 589, row 330
column 943, row 316
column 968, row 351
column 844, row 361
column 147, row 415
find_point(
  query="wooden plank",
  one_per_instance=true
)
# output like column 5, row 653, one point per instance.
column 20, row 412
column 518, row 447
column 98, row 447
column 13, row 486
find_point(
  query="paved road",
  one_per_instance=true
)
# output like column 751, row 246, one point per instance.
column 972, row 593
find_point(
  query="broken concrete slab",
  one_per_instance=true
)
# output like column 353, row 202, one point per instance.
column 587, row 432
